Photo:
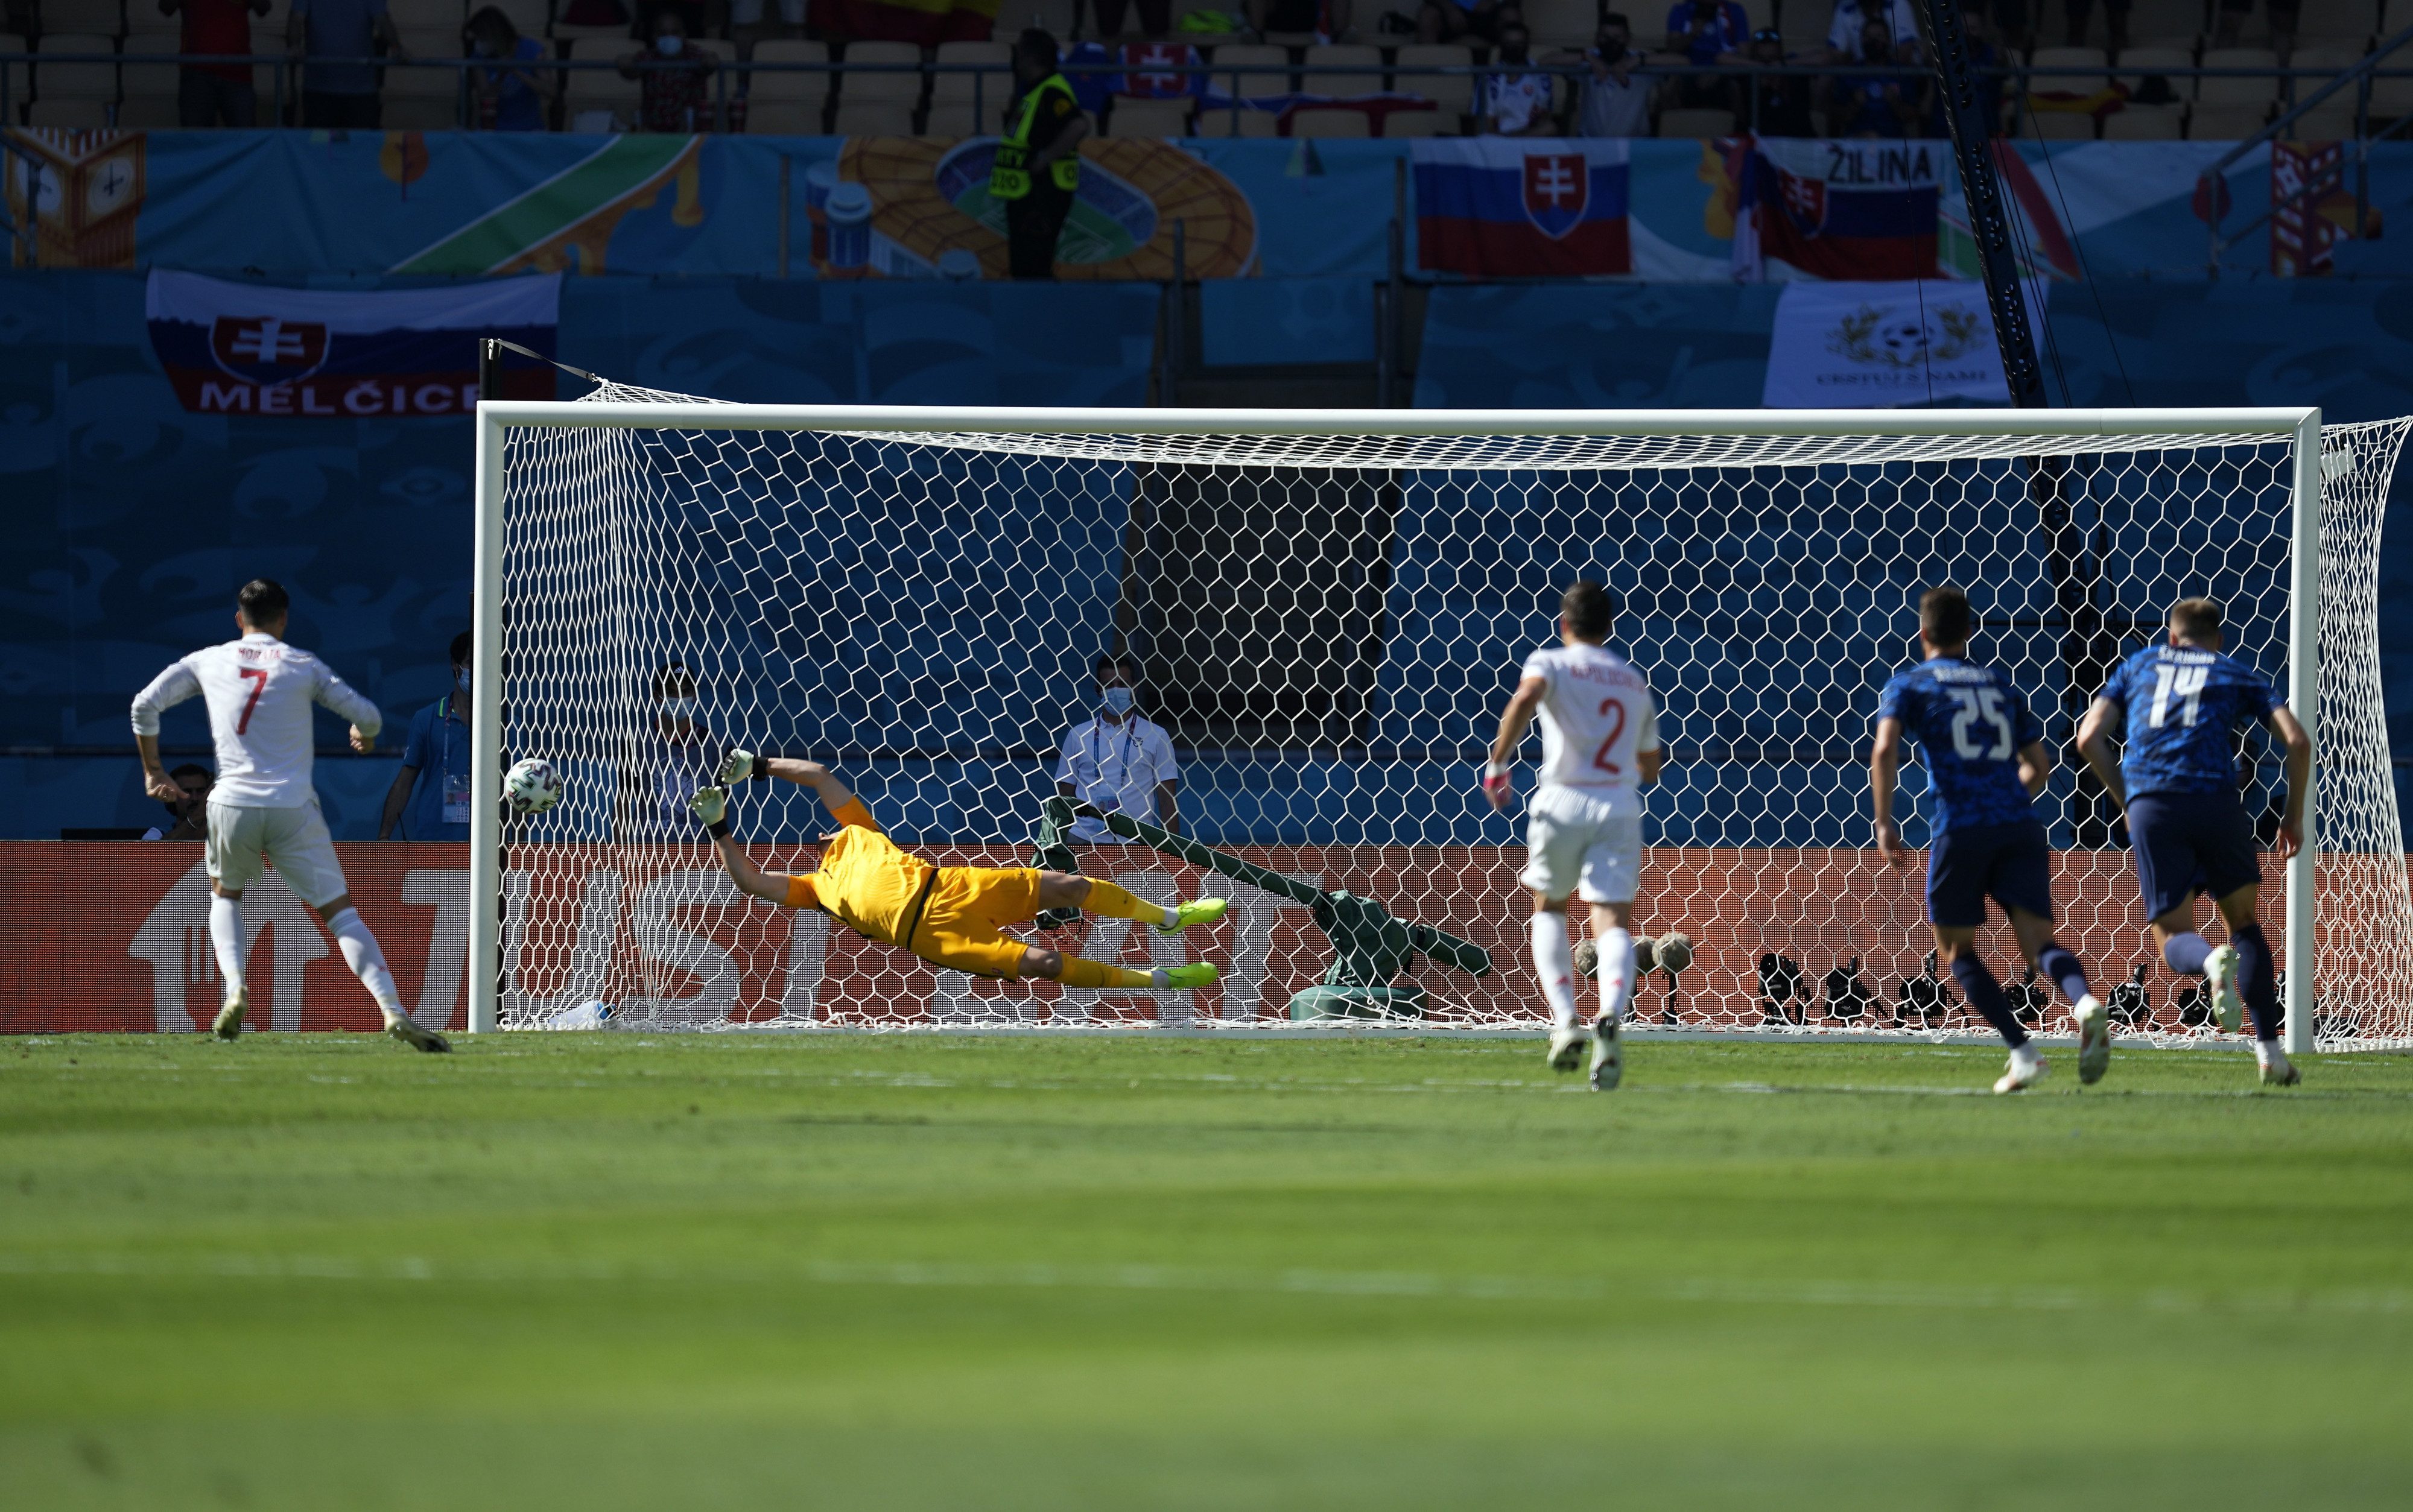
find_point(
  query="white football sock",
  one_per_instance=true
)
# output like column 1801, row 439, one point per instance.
column 226, row 938
column 2267, row 1053
column 2025, row 1051
column 1554, row 962
column 1616, row 972
column 367, row 962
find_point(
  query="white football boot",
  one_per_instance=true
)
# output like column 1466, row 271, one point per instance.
column 1567, row 1048
column 2227, row 1005
column 228, row 1023
column 1607, row 1053
column 402, row 1028
column 2093, row 1039
column 2022, row 1071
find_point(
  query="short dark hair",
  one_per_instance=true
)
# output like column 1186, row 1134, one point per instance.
column 1610, row 18
column 1589, row 609
column 2196, row 617
column 462, row 645
column 673, row 680
column 260, row 600
column 1109, row 662
column 1039, row 45
column 1944, row 615
column 192, row 769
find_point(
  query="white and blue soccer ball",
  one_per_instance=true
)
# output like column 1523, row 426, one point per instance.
column 532, row 785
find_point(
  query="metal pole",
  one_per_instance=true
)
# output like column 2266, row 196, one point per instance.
column 2304, row 698
column 1990, row 225
column 486, row 965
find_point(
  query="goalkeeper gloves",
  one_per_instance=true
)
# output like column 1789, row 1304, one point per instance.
column 711, row 805
column 741, row 765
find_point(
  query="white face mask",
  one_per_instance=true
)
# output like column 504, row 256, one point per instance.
column 678, row 708
column 1117, row 699
column 669, row 44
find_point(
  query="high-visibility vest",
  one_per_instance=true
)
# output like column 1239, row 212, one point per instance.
column 1009, row 179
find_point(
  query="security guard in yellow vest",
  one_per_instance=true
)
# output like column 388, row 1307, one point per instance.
column 1039, row 161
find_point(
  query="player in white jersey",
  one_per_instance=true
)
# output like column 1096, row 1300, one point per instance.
column 260, row 692
column 1600, row 747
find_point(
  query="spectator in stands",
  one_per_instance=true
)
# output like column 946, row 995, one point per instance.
column 1616, row 100
column 662, row 766
column 1705, row 32
column 1873, row 105
column 339, row 96
column 430, row 796
column 675, row 92
column 1516, row 104
column 592, row 13
column 1773, row 105
column 1446, row 21
column 2232, row 19
column 521, row 96
column 1038, row 164
column 1327, row 19
column 1849, row 24
column 216, row 94
column 190, row 815
column 1118, row 761
column 750, row 23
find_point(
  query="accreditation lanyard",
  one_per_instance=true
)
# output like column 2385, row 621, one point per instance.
column 456, row 786
column 1130, row 743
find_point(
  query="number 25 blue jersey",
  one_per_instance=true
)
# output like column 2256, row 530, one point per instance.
column 2182, row 706
column 1969, row 724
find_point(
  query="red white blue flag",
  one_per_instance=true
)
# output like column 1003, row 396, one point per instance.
column 255, row 349
column 1521, row 207
column 1854, row 209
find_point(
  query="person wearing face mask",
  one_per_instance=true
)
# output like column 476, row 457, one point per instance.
column 430, row 796
column 675, row 93
column 668, row 762
column 522, row 96
column 1118, row 761
column 190, row 815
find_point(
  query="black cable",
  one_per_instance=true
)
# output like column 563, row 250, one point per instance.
column 2043, row 317
column 2078, row 250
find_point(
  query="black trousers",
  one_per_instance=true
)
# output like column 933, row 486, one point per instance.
column 1032, row 224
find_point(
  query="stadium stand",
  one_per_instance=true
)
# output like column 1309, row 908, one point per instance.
column 787, row 102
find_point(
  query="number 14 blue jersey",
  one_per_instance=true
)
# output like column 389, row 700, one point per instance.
column 1969, row 724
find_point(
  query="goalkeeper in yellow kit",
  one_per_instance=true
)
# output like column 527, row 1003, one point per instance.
column 949, row 916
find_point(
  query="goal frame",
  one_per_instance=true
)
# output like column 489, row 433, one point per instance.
column 496, row 418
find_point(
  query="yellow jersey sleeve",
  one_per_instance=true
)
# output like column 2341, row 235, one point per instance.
column 855, row 813
column 804, row 892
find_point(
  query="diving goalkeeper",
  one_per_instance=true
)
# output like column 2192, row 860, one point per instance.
column 949, row 916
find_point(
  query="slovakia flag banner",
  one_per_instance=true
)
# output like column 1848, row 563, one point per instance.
column 1856, row 210
column 1521, row 207
column 254, row 350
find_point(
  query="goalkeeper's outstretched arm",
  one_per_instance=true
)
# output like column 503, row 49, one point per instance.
column 834, row 796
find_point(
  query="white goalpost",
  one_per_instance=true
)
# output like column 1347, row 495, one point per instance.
column 1326, row 610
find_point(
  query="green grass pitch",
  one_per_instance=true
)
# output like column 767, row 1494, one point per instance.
column 608, row 1271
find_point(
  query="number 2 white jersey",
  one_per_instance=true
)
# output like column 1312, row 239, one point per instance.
column 259, row 692
column 1596, row 714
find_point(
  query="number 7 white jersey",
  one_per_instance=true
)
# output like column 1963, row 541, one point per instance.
column 1597, row 715
column 259, row 692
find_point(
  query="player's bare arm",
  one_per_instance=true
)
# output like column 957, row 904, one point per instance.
column 1499, row 780
column 2095, row 744
column 2291, row 733
column 2036, row 767
column 1884, row 767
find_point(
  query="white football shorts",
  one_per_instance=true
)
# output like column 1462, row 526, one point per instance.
column 1585, row 841
column 295, row 839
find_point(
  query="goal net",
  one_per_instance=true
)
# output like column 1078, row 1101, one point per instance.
column 1325, row 623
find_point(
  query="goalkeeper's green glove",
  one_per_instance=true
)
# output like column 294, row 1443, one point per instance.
column 741, row 765
column 711, row 805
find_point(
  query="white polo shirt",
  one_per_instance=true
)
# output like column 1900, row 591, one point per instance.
column 1118, row 768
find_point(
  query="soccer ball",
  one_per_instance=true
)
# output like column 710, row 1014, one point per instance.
column 532, row 785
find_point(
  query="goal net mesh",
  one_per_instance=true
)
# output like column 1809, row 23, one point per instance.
column 1326, row 626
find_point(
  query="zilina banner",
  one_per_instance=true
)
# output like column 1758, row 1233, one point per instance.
column 257, row 349
column 1856, row 210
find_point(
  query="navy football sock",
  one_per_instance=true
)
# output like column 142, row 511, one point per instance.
column 2062, row 967
column 2261, row 983
column 1985, row 994
column 2185, row 953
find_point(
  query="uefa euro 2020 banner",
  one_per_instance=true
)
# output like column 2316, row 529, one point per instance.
column 233, row 348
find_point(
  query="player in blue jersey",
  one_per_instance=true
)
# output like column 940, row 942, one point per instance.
column 2177, row 706
column 1986, row 761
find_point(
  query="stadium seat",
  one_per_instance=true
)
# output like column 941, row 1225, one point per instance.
column 786, row 103
column 147, row 112
column 148, row 81
column 591, row 90
column 883, row 88
column 1252, row 84
column 2138, row 64
column 2060, row 126
column 143, row 16
column 2331, row 60
column 2146, row 123
column 1330, row 124
column 420, row 113
column 429, row 84
column 423, row 15
column 1568, row 23
column 1345, row 85
column 86, row 18
column 2226, row 122
column 528, row 17
column 1701, row 124
column 19, row 87
column 1453, row 93
column 2068, row 57
column 874, row 118
column 69, row 115
column 2247, row 90
column 1149, row 118
column 2159, row 20
column 75, row 80
column 1253, row 124
column 2326, row 124
column 1402, row 125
